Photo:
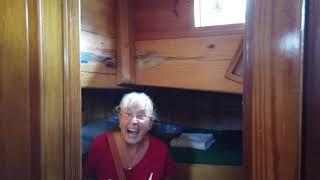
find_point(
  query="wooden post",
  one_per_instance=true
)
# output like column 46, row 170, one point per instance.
column 273, row 89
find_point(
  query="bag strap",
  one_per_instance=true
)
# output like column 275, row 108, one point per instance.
column 116, row 157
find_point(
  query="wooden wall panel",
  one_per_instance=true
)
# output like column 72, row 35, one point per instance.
column 99, row 34
column 311, row 121
column 15, row 137
column 96, row 80
column 99, row 17
column 273, row 89
column 98, row 53
column 163, row 19
column 191, row 74
column 192, row 63
column 212, row 48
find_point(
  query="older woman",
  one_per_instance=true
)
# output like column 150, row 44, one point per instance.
column 132, row 153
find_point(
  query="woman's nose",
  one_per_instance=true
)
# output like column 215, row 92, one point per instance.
column 134, row 120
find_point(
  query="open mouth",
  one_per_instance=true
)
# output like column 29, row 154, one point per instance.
column 132, row 132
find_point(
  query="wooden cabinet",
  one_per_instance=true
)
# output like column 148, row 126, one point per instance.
column 193, row 63
column 145, row 43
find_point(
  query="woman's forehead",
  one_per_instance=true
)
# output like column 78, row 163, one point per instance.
column 136, row 109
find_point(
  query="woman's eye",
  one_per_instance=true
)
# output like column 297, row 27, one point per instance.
column 141, row 116
column 129, row 114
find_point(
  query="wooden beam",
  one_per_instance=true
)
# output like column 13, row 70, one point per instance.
column 126, row 39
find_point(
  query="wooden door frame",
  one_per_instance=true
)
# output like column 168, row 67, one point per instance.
column 260, row 133
column 273, row 51
column 72, row 90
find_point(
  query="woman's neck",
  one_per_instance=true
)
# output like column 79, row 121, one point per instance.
column 132, row 148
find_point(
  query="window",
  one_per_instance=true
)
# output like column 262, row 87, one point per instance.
column 219, row 12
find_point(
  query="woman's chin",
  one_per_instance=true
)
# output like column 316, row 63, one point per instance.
column 132, row 139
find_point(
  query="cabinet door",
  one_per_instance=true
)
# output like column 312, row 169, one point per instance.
column 172, row 52
column 190, row 63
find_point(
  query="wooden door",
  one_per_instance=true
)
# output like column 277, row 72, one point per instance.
column 273, row 88
column 39, row 90
column 16, row 90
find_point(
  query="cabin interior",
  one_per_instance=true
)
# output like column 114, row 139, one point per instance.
column 252, row 83
column 192, row 71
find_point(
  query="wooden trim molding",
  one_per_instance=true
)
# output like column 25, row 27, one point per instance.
column 72, row 90
column 273, row 89
column 235, row 65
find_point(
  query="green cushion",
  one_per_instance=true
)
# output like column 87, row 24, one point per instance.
column 227, row 150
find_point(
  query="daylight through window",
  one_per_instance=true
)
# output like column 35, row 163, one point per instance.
column 219, row 12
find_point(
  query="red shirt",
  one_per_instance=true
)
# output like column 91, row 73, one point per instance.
column 157, row 161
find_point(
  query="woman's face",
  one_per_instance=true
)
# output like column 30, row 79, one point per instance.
column 134, row 124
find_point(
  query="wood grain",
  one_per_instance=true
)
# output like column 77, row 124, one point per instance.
column 35, row 88
column 189, row 74
column 212, row 48
column 52, row 120
column 103, row 52
column 126, row 39
column 15, row 137
column 273, row 89
column 96, row 80
column 164, row 19
column 190, row 63
column 98, row 44
column 99, row 17
column 312, row 96
column 72, row 91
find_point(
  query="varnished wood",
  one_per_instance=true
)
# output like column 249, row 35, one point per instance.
column 15, row 110
column 101, row 46
column 126, row 39
column 164, row 19
column 99, row 40
column 235, row 69
column 191, row 74
column 35, row 88
column 190, row 63
column 212, row 48
column 273, row 89
column 72, row 91
column 205, row 172
column 311, row 121
column 99, row 17
column 52, row 119
column 96, row 80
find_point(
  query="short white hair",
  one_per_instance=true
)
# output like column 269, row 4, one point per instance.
column 138, row 100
